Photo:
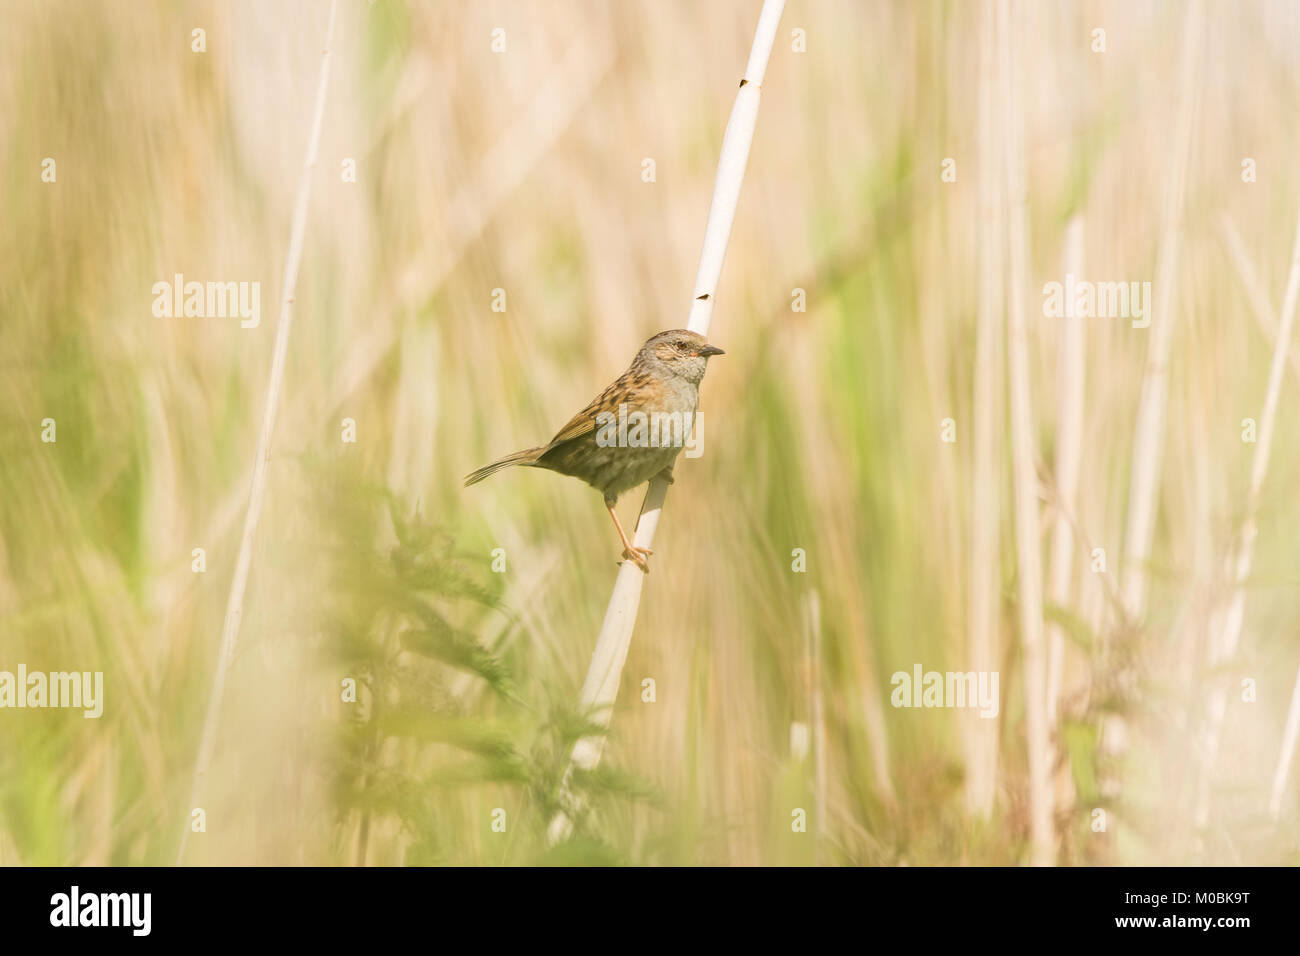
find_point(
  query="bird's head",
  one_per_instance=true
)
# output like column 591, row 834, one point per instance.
column 679, row 352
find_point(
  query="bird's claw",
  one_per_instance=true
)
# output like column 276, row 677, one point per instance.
column 638, row 557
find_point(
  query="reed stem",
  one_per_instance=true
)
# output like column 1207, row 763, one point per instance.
column 606, row 671
column 238, row 584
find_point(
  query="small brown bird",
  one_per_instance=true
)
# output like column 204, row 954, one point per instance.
column 632, row 431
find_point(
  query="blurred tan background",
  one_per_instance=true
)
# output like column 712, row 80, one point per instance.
column 522, row 171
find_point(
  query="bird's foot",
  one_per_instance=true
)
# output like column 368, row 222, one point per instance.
column 638, row 557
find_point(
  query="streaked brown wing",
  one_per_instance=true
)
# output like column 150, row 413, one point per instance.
column 584, row 423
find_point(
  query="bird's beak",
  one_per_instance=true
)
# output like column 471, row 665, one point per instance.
column 708, row 350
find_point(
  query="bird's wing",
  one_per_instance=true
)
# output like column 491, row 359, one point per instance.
column 629, row 388
column 583, row 423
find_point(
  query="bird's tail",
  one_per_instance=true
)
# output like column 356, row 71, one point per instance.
column 528, row 456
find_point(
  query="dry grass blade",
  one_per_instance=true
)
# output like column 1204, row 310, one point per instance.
column 1069, row 453
column 1024, row 474
column 1287, row 752
column 235, row 604
column 1226, row 623
column 984, row 589
column 1261, row 306
column 1149, row 435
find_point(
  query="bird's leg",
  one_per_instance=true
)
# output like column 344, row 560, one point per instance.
column 630, row 551
column 667, row 475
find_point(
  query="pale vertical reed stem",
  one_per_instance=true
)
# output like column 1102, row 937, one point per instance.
column 984, row 593
column 1262, row 308
column 1288, row 751
column 1071, row 374
column 1226, row 622
column 1148, row 436
column 833, row 486
column 235, row 603
column 1024, row 475
column 1261, row 305
column 817, row 720
column 606, row 671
